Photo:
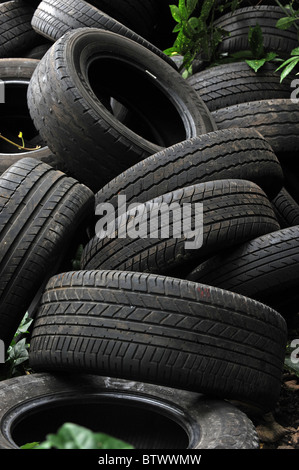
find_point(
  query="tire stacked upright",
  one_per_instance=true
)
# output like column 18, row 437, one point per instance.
column 115, row 110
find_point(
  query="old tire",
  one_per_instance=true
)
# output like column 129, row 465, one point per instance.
column 233, row 211
column 265, row 268
column 53, row 18
column 277, row 121
column 15, row 117
column 160, row 330
column 225, row 154
column 41, row 210
column 16, row 32
column 238, row 23
column 94, row 144
column 286, row 209
column 147, row 416
column 235, row 83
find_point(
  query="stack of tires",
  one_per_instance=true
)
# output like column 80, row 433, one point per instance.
column 190, row 338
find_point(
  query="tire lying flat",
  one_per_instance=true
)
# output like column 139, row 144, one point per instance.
column 145, row 415
column 228, row 153
column 277, row 121
column 71, row 108
column 238, row 23
column 233, row 211
column 40, row 209
column 265, row 269
column 235, row 83
column 162, row 330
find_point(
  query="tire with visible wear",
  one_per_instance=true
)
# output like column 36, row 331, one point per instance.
column 40, row 211
column 228, row 153
column 72, row 108
column 233, row 211
column 144, row 415
column 160, row 330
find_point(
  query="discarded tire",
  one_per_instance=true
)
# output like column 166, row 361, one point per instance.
column 238, row 23
column 41, row 209
column 233, row 211
column 160, row 330
column 228, row 153
column 265, row 269
column 94, row 144
column 277, row 121
column 146, row 416
column 286, row 209
column 16, row 32
column 54, row 18
column 15, row 77
column 235, row 83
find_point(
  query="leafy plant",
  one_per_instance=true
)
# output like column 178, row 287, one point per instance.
column 196, row 34
column 16, row 362
column 291, row 19
column 73, row 436
column 20, row 147
column 256, row 44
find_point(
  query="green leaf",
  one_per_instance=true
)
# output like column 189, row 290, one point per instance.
column 255, row 64
column 176, row 13
column 256, row 41
column 295, row 51
column 285, row 22
column 288, row 68
column 194, row 23
column 73, row 436
column 30, row 445
column 191, row 4
column 171, row 51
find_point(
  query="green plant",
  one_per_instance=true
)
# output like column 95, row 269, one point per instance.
column 16, row 362
column 73, row 436
column 291, row 19
column 20, row 147
column 257, row 51
column 197, row 34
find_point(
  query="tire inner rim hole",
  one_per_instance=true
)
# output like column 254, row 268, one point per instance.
column 137, row 424
column 136, row 100
column 15, row 118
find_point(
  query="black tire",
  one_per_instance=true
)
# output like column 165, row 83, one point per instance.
column 233, row 211
column 16, row 32
column 235, row 83
column 160, row 330
column 15, row 117
column 239, row 22
column 286, row 209
column 53, row 18
column 140, row 17
column 277, row 120
column 41, row 210
column 94, row 144
column 228, row 153
column 265, row 269
column 145, row 415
